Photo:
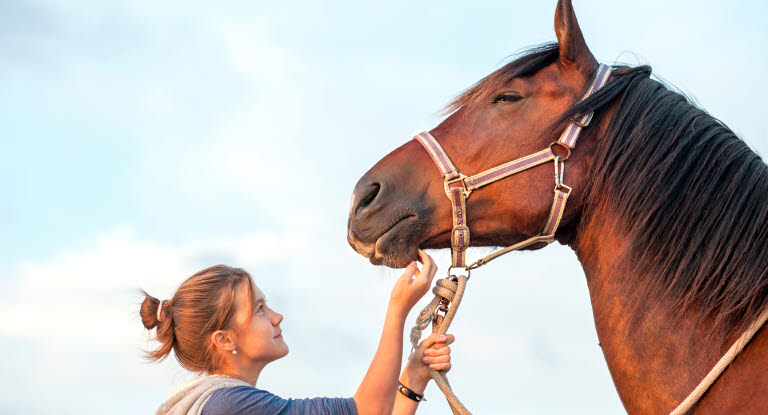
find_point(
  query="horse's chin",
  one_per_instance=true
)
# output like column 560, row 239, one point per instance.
column 394, row 252
column 395, row 259
column 398, row 256
column 396, row 248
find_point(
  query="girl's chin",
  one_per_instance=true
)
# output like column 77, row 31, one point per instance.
column 282, row 354
column 285, row 349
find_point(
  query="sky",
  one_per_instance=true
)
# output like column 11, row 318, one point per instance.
column 143, row 141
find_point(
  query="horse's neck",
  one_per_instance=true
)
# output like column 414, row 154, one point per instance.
column 654, row 362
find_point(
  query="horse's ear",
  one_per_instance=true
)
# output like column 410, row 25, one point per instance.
column 573, row 48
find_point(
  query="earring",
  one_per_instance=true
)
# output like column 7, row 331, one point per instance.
column 234, row 351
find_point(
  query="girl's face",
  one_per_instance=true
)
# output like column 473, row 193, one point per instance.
column 259, row 339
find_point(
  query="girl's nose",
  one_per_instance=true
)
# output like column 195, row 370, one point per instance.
column 278, row 318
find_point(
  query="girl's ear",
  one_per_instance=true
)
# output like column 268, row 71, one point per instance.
column 223, row 340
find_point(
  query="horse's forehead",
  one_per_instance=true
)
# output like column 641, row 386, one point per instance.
column 549, row 77
column 552, row 81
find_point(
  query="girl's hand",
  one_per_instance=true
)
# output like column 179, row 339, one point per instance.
column 432, row 353
column 413, row 284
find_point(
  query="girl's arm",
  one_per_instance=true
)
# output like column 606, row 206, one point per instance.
column 432, row 353
column 376, row 394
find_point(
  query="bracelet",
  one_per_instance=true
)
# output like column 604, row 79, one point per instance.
column 409, row 393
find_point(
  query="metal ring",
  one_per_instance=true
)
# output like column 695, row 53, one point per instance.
column 469, row 271
column 434, row 314
column 557, row 143
column 441, row 307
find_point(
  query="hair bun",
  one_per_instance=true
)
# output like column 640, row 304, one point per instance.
column 149, row 311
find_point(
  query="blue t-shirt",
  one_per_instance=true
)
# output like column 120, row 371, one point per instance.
column 249, row 400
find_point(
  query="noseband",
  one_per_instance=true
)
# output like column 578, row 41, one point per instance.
column 458, row 187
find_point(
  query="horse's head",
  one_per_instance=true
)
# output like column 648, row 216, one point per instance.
column 400, row 204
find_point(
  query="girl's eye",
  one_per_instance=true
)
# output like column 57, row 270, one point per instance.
column 507, row 97
column 261, row 308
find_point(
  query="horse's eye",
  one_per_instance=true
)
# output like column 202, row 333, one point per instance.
column 507, row 97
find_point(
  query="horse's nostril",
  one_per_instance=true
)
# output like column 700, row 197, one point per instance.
column 373, row 191
column 367, row 197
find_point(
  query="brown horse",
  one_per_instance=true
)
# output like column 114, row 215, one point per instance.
column 668, row 215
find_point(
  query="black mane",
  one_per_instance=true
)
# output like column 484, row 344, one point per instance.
column 692, row 198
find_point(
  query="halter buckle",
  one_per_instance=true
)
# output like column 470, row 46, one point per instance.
column 456, row 234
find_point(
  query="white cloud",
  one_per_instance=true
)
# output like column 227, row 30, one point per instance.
column 67, row 296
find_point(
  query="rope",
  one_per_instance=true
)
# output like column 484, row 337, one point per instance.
column 447, row 291
column 716, row 371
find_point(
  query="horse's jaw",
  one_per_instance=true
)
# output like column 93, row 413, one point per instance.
column 395, row 247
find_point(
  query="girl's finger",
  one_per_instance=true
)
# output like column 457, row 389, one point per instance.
column 437, row 359
column 429, row 269
column 421, row 256
column 410, row 271
column 432, row 339
column 438, row 349
column 425, row 258
column 440, row 367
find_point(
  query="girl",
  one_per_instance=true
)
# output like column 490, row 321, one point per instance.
column 218, row 323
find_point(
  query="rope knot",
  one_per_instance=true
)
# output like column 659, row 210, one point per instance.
column 444, row 291
column 446, row 288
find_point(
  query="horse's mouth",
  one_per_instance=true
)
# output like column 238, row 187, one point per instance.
column 393, row 248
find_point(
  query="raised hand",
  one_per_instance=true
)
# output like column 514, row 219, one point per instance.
column 414, row 283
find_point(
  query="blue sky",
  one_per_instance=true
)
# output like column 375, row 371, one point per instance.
column 142, row 141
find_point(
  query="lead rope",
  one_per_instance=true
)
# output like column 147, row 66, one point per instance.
column 716, row 371
column 448, row 293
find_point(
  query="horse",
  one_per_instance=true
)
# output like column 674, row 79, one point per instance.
column 668, row 215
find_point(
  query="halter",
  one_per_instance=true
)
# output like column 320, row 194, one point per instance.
column 458, row 187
